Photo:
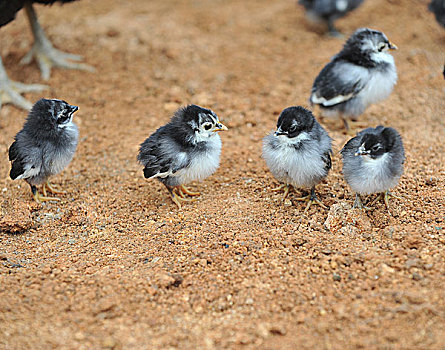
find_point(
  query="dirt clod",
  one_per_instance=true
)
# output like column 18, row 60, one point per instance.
column 15, row 217
column 344, row 219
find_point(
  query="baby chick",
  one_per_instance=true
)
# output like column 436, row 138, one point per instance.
column 373, row 162
column 361, row 74
column 45, row 145
column 185, row 149
column 298, row 153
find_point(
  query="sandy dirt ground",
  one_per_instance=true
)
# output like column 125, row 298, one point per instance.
column 116, row 265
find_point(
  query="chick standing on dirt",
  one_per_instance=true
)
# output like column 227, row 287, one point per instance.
column 298, row 153
column 185, row 149
column 329, row 11
column 373, row 163
column 45, row 145
column 361, row 74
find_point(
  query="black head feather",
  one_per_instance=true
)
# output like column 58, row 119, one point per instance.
column 379, row 142
column 48, row 115
column 360, row 45
column 191, row 120
column 193, row 116
column 294, row 120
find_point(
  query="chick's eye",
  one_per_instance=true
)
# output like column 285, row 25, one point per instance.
column 293, row 128
column 375, row 148
column 207, row 126
column 62, row 119
column 381, row 47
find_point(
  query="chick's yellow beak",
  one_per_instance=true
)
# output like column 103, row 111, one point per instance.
column 220, row 127
column 392, row 46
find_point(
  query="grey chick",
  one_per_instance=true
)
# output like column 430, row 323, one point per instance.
column 185, row 149
column 373, row 163
column 298, row 153
column 361, row 74
column 328, row 11
column 45, row 145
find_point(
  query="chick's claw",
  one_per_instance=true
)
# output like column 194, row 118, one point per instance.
column 279, row 188
column 385, row 196
column 178, row 197
column 351, row 126
column 358, row 204
column 182, row 196
column 311, row 198
column 50, row 188
column 39, row 198
column 187, row 191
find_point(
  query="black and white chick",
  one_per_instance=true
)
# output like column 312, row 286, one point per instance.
column 45, row 145
column 373, row 163
column 328, row 11
column 185, row 149
column 299, row 152
column 438, row 8
column 361, row 74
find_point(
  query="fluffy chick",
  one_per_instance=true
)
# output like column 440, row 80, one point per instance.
column 361, row 74
column 373, row 162
column 298, row 153
column 45, row 145
column 185, row 149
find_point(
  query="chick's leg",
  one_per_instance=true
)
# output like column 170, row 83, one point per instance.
column 39, row 198
column 50, row 188
column 311, row 198
column 46, row 55
column 358, row 204
column 279, row 188
column 333, row 31
column 10, row 91
column 178, row 196
column 187, row 191
column 176, row 199
column 350, row 126
column 386, row 196
column 181, row 194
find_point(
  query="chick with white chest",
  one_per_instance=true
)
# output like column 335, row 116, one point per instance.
column 184, row 150
column 361, row 74
column 373, row 163
column 298, row 153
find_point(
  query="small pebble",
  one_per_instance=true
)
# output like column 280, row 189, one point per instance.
column 417, row 277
